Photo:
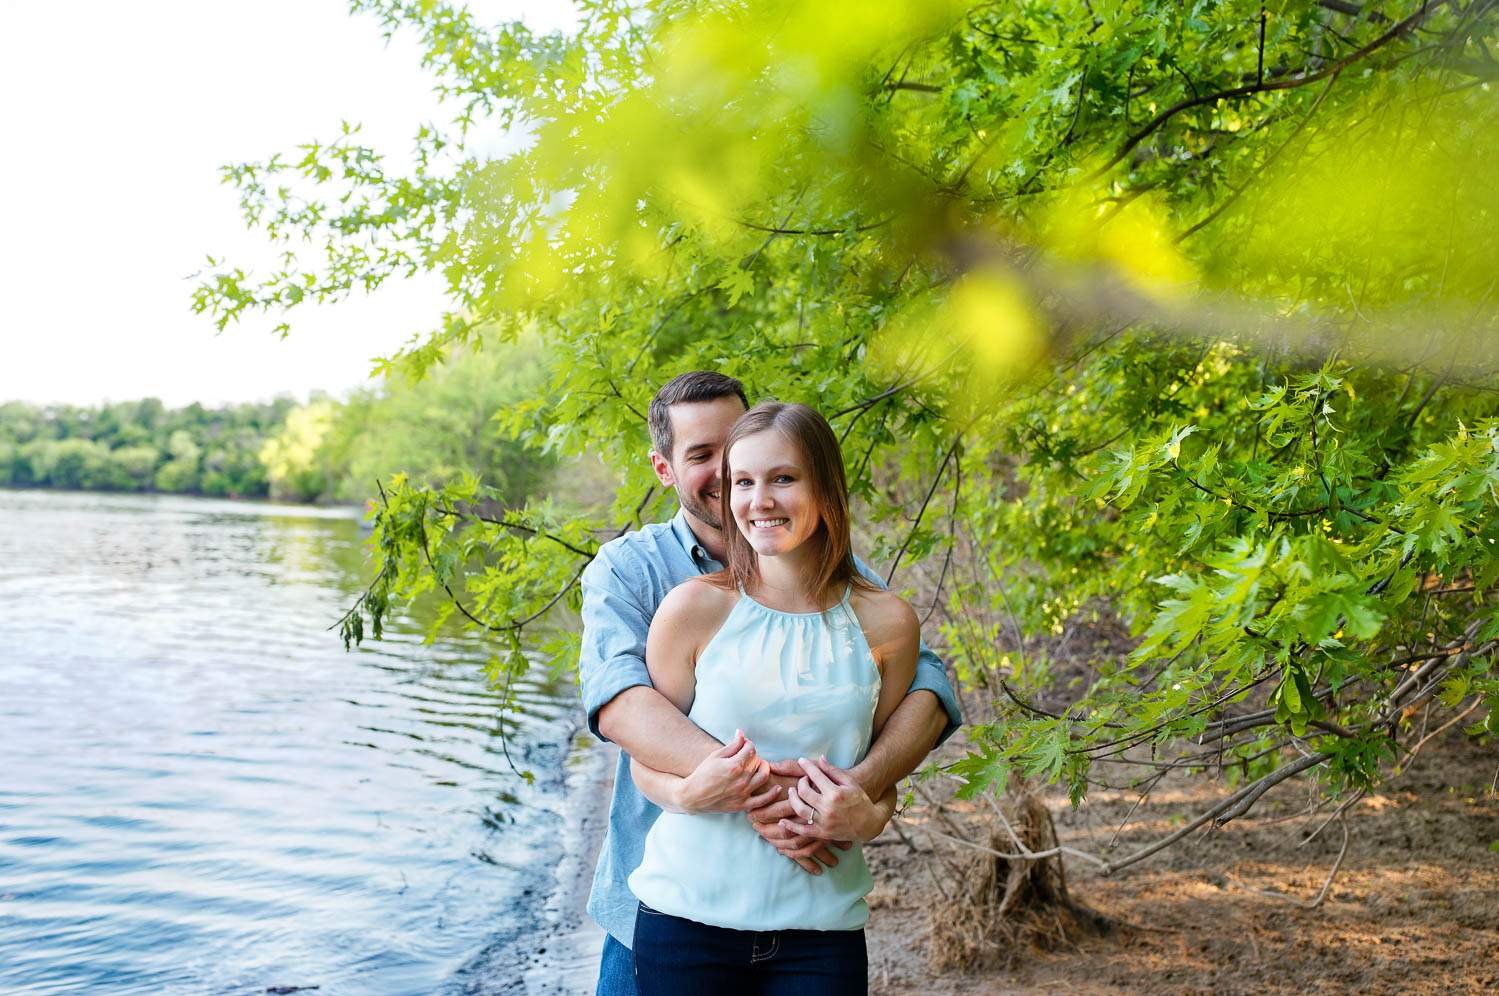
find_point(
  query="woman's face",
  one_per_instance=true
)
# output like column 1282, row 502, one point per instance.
column 771, row 493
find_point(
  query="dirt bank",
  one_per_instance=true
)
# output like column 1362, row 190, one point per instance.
column 1413, row 908
column 556, row 950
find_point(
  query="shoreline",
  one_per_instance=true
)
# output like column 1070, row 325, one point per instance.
column 555, row 949
column 562, row 957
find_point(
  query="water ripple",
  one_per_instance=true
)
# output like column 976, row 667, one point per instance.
column 204, row 793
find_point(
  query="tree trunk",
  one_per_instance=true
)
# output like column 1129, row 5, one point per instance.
column 1003, row 904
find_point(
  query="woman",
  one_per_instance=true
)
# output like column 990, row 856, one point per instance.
column 790, row 648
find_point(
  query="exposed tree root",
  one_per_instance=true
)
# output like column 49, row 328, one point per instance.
column 1002, row 905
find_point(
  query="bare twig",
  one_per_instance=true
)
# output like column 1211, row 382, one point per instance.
column 1438, row 731
column 920, row 512
column 1326, row 885
column 1023, row 856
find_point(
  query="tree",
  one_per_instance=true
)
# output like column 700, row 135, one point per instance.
column 1179, row 316
column 294, row 463
column 180, row 472
column 68, row 463
column 134, row 467
column 441, row 427
column 139, row 446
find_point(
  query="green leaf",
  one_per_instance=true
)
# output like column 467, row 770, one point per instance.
column 738, row 283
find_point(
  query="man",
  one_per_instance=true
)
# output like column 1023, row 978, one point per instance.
column 689, row 420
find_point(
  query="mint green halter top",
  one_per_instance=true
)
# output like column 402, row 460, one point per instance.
column 799, row 684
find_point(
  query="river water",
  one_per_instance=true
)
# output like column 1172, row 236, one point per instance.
column 202, row 792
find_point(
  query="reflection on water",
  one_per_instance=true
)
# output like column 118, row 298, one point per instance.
column 200, row 791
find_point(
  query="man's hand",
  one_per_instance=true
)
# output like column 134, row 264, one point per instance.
column 810, row 853
column 727, row 781
column 829, row 804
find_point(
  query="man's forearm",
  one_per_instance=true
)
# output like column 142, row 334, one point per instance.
column 908, row 736
column 650, row 729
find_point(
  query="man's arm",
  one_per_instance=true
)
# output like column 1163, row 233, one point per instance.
column 728, row 781
column 908, row 737
column 621, row 703
column 911, row 732
column 653, row 731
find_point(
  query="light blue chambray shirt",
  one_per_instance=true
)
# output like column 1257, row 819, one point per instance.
column 622, row 589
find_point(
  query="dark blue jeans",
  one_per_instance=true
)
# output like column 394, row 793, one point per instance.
column 677, row 957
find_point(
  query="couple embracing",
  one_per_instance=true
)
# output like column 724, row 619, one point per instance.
column 767, row 694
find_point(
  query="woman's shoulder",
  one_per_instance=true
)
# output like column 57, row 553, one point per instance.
column 696, row 603
column 887, row 619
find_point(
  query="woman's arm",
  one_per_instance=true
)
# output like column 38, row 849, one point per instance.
column 728, row 779
column 675, row 636
column 896, row 643
column 726, row 782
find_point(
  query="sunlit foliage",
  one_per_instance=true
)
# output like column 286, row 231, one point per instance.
column 1180, row 315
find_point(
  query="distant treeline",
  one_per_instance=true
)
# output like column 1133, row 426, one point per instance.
column 140, row 446
column 323, row 451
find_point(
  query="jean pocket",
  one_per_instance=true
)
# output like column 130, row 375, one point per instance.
column 646, row 909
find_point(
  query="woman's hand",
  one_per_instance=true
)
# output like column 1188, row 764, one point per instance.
column 729, row 780
column 808, row 853
column 831, row 805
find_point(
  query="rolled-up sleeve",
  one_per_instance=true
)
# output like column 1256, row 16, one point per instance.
column 931, row 676
column 931, row 673
column 615, row 626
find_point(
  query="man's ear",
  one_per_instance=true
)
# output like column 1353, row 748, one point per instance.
column 663, row 470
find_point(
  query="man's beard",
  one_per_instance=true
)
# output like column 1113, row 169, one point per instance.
column 703, row 507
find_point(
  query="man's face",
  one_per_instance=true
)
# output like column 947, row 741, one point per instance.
column 699, row 429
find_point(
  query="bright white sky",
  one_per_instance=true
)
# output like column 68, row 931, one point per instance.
column 116, row 117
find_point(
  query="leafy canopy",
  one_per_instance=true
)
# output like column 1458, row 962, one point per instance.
column 1175, row 318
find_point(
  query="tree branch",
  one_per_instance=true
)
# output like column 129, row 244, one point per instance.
column 518, row 526
column 1249, row 90
column 941, row 469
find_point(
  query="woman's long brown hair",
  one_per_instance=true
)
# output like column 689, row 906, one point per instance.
column 809, row 432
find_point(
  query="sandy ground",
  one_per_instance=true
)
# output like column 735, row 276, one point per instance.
column 1413, row 908
column 563, row 957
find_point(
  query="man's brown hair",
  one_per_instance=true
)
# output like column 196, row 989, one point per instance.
column 809, row 432
column 696, row 385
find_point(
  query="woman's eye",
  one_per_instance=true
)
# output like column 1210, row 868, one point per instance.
column 784, row 479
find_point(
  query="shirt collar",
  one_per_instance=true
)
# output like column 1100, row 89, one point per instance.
column 684, row 534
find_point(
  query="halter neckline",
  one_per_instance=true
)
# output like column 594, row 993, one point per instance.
column 847, row 592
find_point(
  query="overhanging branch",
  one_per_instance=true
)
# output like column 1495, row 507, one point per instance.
column 1269, row 86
